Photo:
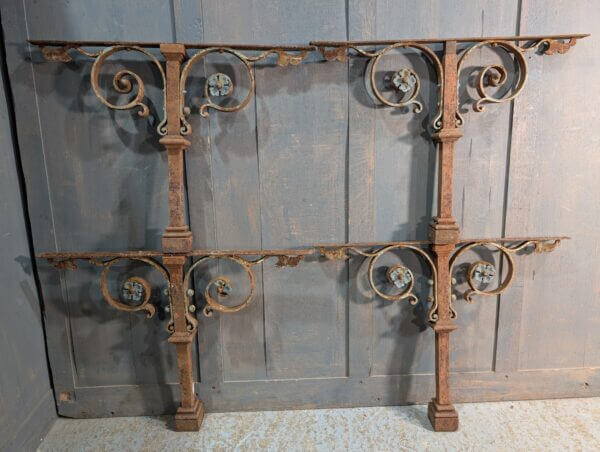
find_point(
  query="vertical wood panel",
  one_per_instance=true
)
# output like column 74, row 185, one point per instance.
column 553, row 306
column 305, row 310
column 235, row 185
column 361, row 192
column 36, row 181
column 107, row 186
column 27, row 407
column 302, row 125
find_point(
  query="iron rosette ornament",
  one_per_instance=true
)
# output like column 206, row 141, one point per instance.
column 135, row 292
column 398, row 277
column 220, row 287
column 221, row 85
column 480, row 274
column 405, row 82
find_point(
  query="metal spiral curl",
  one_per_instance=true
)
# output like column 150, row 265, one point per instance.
column 283, row 59
column 404, row 278
column 123, row 83
column 474, row 286
column 412, row 100
column 406, row 292
column 507, row 251
column 221, row 284
column 130, row 284
column 495, row 75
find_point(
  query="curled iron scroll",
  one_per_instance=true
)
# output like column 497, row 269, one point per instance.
column 484, row 272
column 340, row 54
column 495, row 75
column 471, row 273
column 412, row 100
column 123, row 83
column 283, row 59
column 222, row 286
column 397, row 275
column 132, row 284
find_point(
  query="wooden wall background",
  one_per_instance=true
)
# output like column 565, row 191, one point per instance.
column 27, row 409
column 312, row 159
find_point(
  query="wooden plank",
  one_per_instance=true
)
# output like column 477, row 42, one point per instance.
column 310, row 393
column 104, row 177
column 361, row 193
column 235, row 186
column 40, row 208
column 27, row 406
column 302, row 127
column 551, row 314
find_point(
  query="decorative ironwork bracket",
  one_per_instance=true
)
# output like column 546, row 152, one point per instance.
column 406, row 83
column 440, row 253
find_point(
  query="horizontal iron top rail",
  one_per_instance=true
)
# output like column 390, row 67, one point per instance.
column 188, row 45
column 441, row 40
column 292, row 47
column 313, row 249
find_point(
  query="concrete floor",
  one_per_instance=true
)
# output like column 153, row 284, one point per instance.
column 568, row 424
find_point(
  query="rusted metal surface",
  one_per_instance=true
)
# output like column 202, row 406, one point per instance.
column 247, row 259
column 442, row 40
column 202, row 45
column 440, row 253
column 493, row 76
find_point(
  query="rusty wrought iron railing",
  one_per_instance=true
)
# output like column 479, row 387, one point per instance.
column 177, row 260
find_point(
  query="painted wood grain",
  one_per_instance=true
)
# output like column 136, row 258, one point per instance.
column 102, row 168
column 302, row 127
column 26, row 402
column 361, row 177
column 553, row 308
column 309, row 393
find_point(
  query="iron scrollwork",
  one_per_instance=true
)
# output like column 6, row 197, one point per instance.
column 135, row 290
column 405, row 81
column 496, row 75
column 123, row 80
column 122, row 83
column 398, row 276
column 481, row 273
column 222, row 286
column 218, row 84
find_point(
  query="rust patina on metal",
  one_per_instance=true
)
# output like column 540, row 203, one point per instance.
column 440, row 253
column 444, row 232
